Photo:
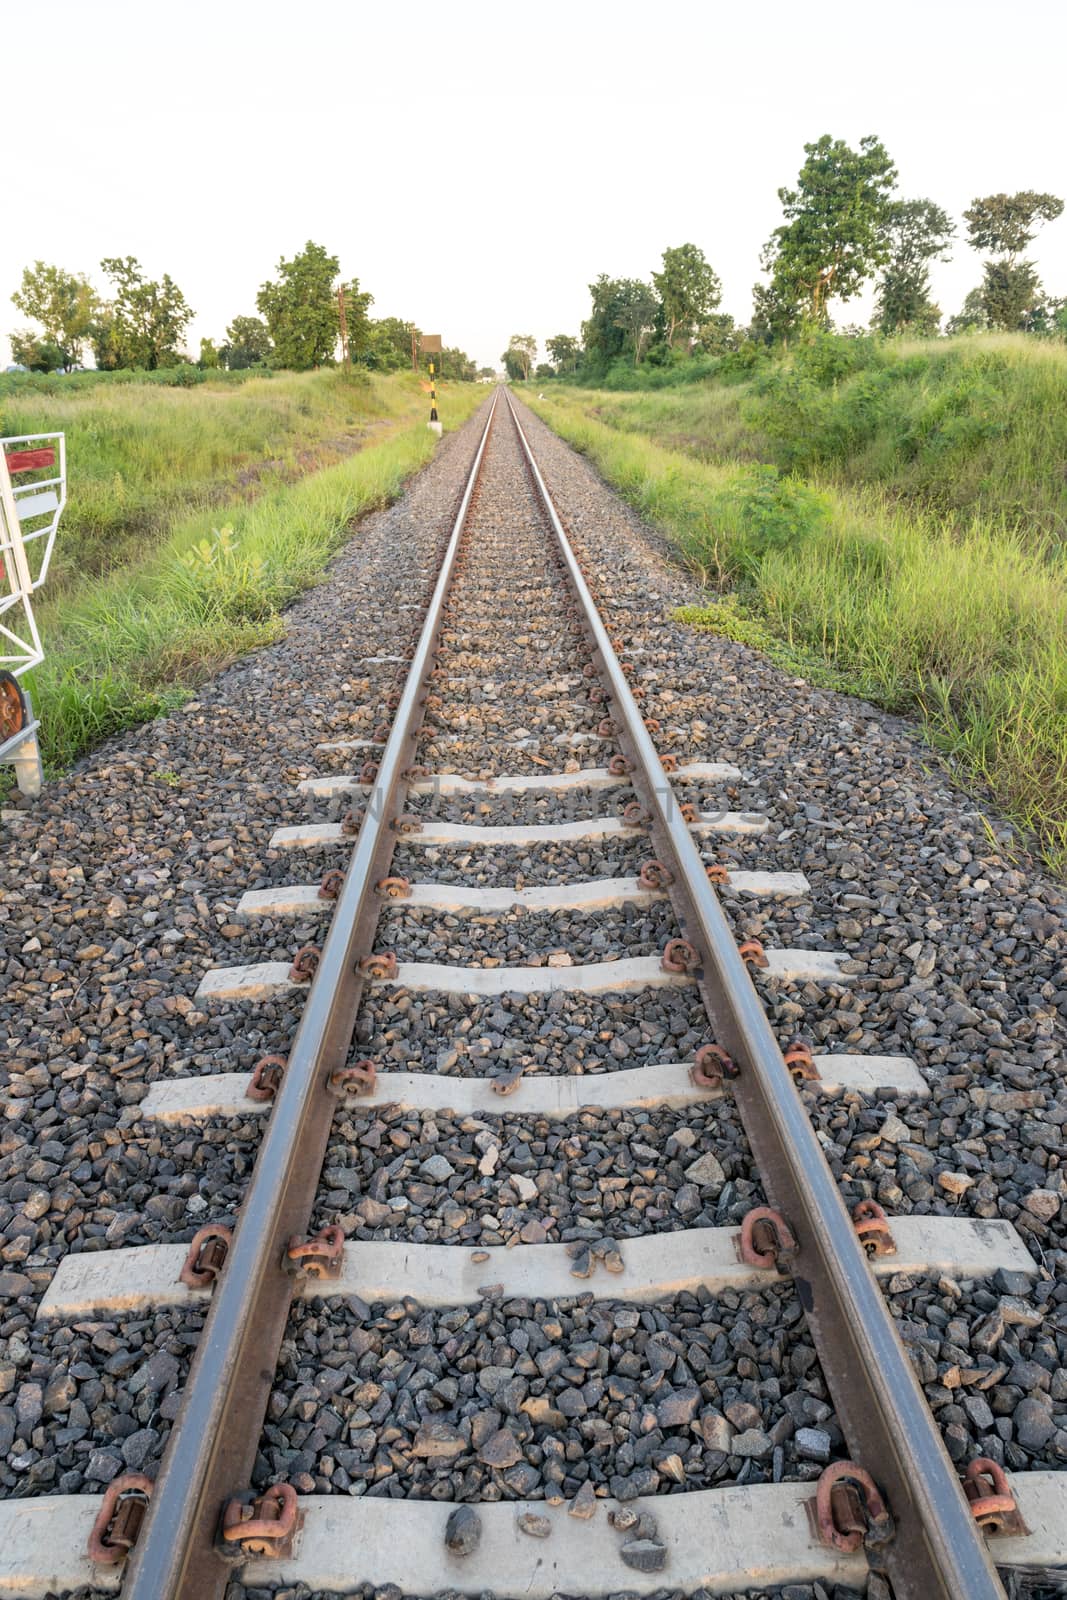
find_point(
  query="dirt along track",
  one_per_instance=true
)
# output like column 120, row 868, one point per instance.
column 898, row 936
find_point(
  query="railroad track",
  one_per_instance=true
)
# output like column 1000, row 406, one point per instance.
column 522, row 616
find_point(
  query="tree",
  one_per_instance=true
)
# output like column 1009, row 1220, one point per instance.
column 917, row 232
column 145, row 322
column 520, row 355
column 602, row 333
column 636, row 308
column 564, row 350
column 688, row 288
column 718, row 334
column 247, row 344
column 209, row 355
column 971, row 317
column 1005, row 224
column 301, row 309
column 63, row 303
column 775, row 313
column 457, row 365
column 40, row 355
column 357, row 323
column 834, row 235
column 389, row 344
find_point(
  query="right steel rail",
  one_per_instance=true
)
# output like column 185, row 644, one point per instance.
column 936, row 1551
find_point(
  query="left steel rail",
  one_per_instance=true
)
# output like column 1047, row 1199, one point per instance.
column 213, row 1444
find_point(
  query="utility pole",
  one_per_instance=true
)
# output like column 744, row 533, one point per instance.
column 414, row 349
column 343, row 320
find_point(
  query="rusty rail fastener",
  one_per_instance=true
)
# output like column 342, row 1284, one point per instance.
column 368, row 772
column 415, row 774
column 405, row 826
column 689, row 812
column 206, row 1257
column 305, row 964
column 618, row 766
column 393, row 888
column 380, row 966
column 359, row 1078
column 669, row 763
column 318, row 1256
column 766, row 1239
column 711, row 1066
column 606, row 729
column 872, row 1228
column 118, row 1522
column 717, row 872
column 266, row 1079
column 679, row 956
column 332, row 883
column 753, row 954
column 381, row 733
column 351, row 823
column 261, row 1525
column 993, row 1506
column 635, row 816
column 655, row 875
column 800, row 1061
column 652, row 724
column 849, row 1509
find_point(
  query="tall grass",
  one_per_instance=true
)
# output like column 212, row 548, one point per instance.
column 132, row 642
column 138, row 454
column 965, row 425
column 963, row 622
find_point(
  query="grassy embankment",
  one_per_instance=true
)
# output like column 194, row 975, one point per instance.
column 889, row 520
column 195, row 516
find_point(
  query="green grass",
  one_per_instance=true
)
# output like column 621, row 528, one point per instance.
column 961, row 621
column 976, row 424
column 129, row 643
column 139, row 454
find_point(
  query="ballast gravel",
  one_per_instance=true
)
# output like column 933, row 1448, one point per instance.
column 119, row 891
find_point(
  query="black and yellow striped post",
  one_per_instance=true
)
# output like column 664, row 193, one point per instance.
column 433, row 395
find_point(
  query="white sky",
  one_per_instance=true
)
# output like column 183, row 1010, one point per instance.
column 476, row 165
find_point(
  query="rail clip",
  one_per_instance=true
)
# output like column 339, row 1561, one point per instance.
column 261, row 1525
column 119, row 1520
column 319, row 1256
column 766, row 1239
column 208, row 1249
column 993, row 1506
column 849, row 1509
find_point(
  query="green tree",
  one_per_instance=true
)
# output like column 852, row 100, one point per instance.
column 918, row 232
column 971, row 317
column 1005, row 224
column 210, row 357
column 834, row 235
column 688, row 288
column 40, row 355
column 776, row 314
column 520, row 355
column 143, row 325
column 247, row 344
column 564, row 350
column 602, row 334
column 389, row 344
column 63, row 304
column 457, row 365
column 718, row 334
column 357, row 322
column 636, row 309
column 300, row 308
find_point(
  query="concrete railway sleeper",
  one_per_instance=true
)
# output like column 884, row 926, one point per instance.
column 891, row 1501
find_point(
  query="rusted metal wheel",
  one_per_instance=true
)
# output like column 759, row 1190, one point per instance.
column 12, row 707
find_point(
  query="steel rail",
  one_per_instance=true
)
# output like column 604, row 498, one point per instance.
column 938, row 1552
column 213, row 1444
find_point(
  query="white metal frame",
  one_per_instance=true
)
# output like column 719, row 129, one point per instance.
column 29, row 518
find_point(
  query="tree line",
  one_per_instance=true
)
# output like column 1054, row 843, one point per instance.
column 307, row 318
column 843, row 225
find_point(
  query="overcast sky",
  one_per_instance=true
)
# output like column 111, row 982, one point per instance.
column 476, row 165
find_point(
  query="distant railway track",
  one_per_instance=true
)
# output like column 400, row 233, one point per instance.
column 518, row 598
